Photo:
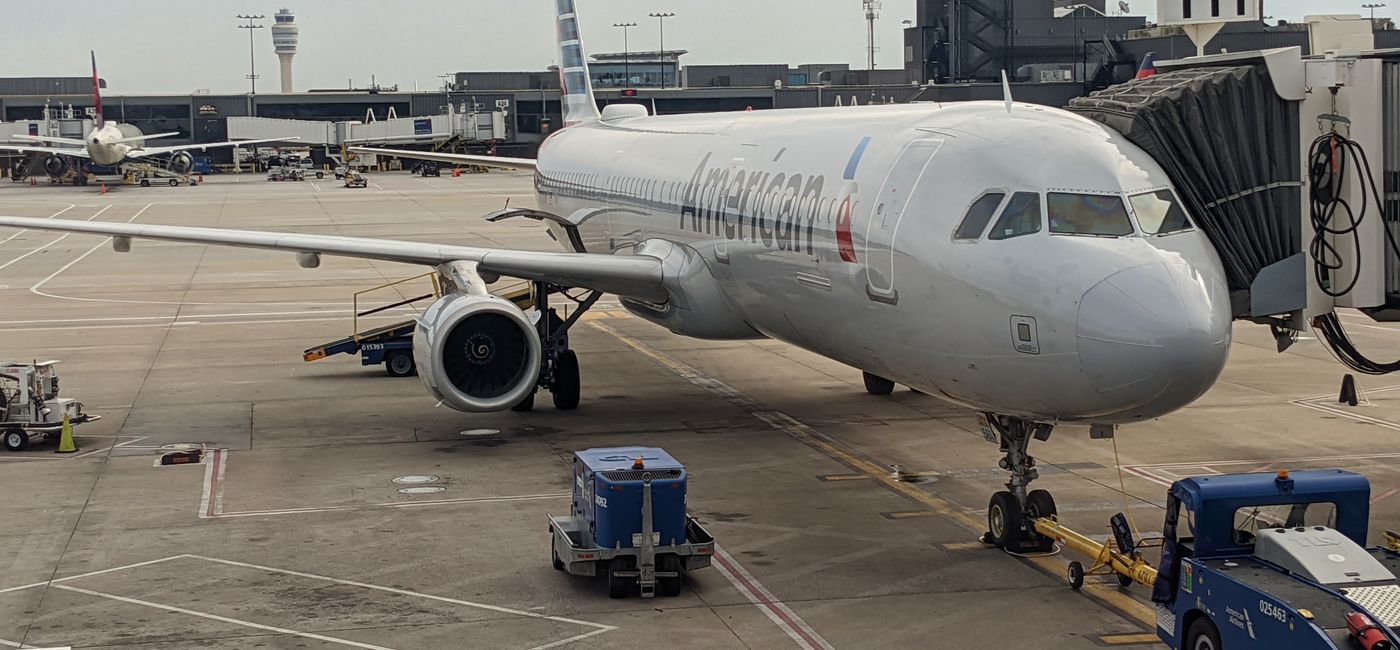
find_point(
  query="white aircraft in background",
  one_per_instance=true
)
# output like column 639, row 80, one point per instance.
column 112, row 143
column 1020, row 260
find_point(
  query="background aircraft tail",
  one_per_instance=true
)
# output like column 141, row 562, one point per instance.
column 97, row 120
column 576, row 87
column 1148, row 67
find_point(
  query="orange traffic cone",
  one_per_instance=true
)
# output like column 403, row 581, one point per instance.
column 104, row 188
column 456, row 172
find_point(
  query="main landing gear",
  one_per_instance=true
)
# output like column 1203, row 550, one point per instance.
column 560, row 374
column 1012, row 512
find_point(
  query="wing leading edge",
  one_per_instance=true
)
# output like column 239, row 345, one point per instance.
column 144, row 152
column 634, row 276
column 520, row 164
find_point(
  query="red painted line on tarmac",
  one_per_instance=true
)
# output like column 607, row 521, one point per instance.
column 1385, row 495
column 759, row 597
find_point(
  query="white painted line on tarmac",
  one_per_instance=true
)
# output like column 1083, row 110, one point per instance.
column 406, row 592
column 35, row 289
column 225, row 619
column 92, row 573
column 55, row 241
column 778, row 612
column 200, row 323
column 17, row 234
column 211, row 500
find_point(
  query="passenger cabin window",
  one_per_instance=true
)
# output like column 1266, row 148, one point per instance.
column 1159, row 213
column 1097, row 215
column 1021, row 217
column 978, row 216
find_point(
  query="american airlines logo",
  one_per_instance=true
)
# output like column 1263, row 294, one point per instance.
column 775, row 209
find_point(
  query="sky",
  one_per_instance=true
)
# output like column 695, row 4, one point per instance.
column 159, row 46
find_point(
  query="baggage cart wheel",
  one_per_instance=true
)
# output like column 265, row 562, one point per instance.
column 145, row 182
column 527, row 404
column 1125, row 580
column 400, row 364
column 1202, row 635
column 16, row 440
column 876, row 385
column 618, row 586
column 670, row 586
column 1076, row 575
column 174, row 182
column 554, row 555
column 1003, row 519
column 566, row 381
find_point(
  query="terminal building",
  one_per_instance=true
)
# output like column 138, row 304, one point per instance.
column 955, row 50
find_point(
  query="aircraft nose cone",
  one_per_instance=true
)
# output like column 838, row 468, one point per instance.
column 1153, row 338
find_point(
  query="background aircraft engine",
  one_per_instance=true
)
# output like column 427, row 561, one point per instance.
column 477, row 353
column 181, row 163
column 55, row 166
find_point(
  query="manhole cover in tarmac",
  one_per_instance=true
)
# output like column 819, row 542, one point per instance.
column 472, row 433
column 424, row 489
column 415, row 478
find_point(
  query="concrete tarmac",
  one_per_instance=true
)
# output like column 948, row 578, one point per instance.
column 293, row 533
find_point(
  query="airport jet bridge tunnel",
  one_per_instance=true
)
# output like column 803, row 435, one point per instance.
column 1291, row 166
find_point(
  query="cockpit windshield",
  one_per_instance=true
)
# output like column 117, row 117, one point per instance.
column 1159, row 213
column 1098, row 215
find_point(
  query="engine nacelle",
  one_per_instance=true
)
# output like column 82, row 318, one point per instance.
column 697, row 306
column 477, row 353
column 181, row 163
column 55, row 166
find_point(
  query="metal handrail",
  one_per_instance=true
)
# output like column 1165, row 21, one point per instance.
column 437, row 293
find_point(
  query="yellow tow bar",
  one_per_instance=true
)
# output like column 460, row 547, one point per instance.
column 1107, row 558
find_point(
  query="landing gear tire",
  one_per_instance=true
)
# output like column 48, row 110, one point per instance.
column 1075, row 576
column 527, row 404
column 618, row 586
column 1004, row 520
column 876, row 385
column 1202, row 635
column 566, row 381
column 400, row 364
column 16, row 440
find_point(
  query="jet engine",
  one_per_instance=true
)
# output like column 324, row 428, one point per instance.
column 181, row 163
column 55, row 165
column 477, row 353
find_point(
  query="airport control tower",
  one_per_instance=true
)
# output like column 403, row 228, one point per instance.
column 284, row 41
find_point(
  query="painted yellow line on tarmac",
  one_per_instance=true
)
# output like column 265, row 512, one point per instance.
column 844, row 477
column 1109, row 596
column 1129, row 639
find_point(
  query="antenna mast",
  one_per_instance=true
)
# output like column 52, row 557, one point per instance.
column 872, row 12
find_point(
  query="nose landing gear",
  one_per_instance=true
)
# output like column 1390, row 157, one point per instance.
column 1011, row 513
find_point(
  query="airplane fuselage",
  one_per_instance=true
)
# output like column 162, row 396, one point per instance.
column 833, row 230
column 102, row 146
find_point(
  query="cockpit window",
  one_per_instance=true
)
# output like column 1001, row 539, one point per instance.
column 1159, row 212
column 978, row 215
column 1021, row 217
column 1099, row 215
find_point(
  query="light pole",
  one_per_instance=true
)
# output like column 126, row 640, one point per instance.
column 252, row 60
column 1373, row 7
column 626, row 52
column 661, row 20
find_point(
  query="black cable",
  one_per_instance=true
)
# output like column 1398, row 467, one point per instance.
column 1327, row 167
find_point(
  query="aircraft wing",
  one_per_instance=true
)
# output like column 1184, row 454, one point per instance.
column 81, row 153
column 72, row 142
column 634, row 276
column 521, row 164
column 144, row 152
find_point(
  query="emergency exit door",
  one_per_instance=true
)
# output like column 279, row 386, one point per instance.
column 886, row 212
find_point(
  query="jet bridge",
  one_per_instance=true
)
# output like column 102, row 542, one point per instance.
column 1290, row 164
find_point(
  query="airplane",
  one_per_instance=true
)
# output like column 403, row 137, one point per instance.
column 1019, row 260
column 112, row 143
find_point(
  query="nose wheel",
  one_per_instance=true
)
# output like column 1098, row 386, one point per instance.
column 1011, row 513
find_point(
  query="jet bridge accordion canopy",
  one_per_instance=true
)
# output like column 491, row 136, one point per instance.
column 1230, row 145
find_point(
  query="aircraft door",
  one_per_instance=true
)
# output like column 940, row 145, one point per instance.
column 887, row 210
